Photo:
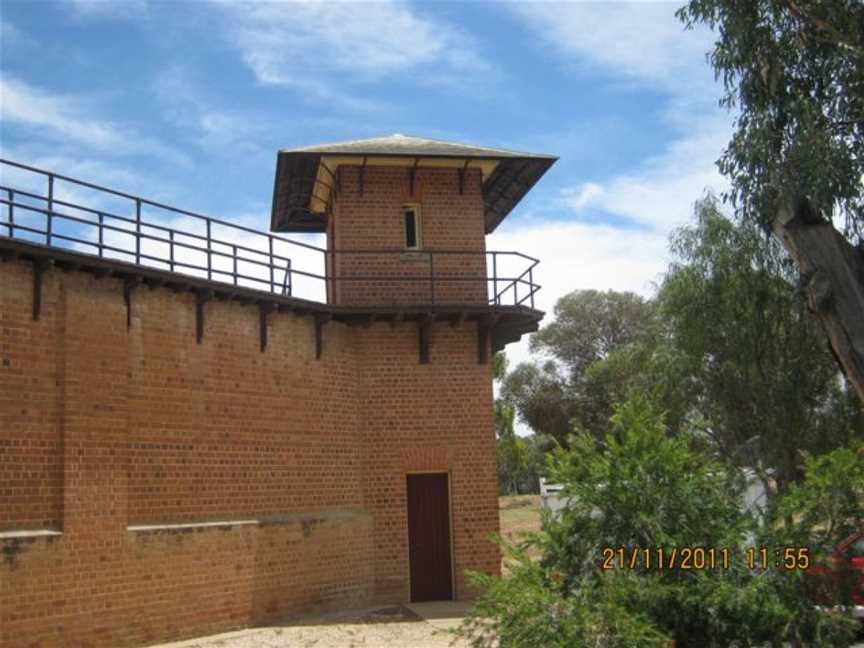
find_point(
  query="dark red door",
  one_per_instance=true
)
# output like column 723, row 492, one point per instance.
column 429, row 537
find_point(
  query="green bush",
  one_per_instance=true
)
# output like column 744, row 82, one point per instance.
column 640, row 488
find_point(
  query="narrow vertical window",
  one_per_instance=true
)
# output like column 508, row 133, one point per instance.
column 413, row 238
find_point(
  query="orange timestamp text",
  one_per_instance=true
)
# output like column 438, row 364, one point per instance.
column 702, row 558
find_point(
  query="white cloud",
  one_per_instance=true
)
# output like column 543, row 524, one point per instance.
column 65, row 117
column 640, row 44
column 575, row 256
column 131, row 9
column 316, row 47
column 639, row 41
column 661, row 191
column 656, row 197
column 584, row 195
column 8, row 33
column 644, row 43
column 215, row 129
column 26, row 104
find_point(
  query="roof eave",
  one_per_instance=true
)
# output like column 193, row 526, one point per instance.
column 495, row 210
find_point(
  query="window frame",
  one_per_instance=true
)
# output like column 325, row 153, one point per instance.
column 418, row 226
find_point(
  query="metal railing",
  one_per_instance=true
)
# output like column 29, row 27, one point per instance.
column 222, row 251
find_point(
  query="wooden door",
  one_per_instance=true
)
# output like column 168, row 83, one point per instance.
column 429, row 537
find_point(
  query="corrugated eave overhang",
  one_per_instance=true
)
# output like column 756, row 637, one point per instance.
column 297, row 173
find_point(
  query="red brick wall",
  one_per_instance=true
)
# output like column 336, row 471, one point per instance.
column 453, row 431
column 374, row 221
column 31, row 460
column 237, row 432
column 102, row 428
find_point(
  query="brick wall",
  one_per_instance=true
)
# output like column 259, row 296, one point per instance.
column 31, row 460
column 373, row 220
column 452, row 431
column 302, row 460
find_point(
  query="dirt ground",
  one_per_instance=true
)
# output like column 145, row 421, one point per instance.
column 419, row 625
column 519, row 514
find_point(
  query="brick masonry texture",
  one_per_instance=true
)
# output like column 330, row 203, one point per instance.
column 104, row 427
column 373, row 221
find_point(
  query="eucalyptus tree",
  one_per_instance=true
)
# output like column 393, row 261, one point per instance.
column 794, row 72
column 753, row 365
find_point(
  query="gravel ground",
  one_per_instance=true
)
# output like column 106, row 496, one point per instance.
column 419, row 625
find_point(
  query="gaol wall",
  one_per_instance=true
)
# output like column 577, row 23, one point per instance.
column 154, row 488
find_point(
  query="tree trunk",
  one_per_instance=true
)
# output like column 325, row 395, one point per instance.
column 832, row 276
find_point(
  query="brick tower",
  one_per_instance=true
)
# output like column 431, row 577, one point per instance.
column 188, row 447
column 405, row 217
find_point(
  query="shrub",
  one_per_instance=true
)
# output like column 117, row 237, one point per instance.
column 640, row 488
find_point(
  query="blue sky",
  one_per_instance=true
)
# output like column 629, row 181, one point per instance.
column 188, row 102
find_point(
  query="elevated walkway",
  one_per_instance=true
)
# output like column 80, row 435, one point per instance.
column 51, row 220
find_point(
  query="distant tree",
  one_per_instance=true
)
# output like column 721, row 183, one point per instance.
column 589, row 325
column 512, row 451
column 499, row 366
column 519, row 459
column 794, row 73
column 542, row 398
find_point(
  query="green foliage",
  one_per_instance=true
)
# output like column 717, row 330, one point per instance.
column 499, row 365
column 513, row 453
column 519, row 459
column 543, row 399
column 793, row 71
column 727, row 349
column 589, row 326
column 640, row 487
column 828, row 504
column 602, row 321
column 523, row 611
column 819, row 512
column 753, row 361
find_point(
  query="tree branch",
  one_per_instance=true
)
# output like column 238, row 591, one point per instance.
column 833, row 274
column 837, row 37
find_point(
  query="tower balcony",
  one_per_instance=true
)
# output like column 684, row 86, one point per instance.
column 80, row 225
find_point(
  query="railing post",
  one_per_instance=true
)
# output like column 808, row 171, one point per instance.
column 138, row 231
column 272, row 282
column 432, row 277
column 531, row 281
column 495, row 276
column 50, row 208
column 329, row 271
column 11, row 225
column 101, row 234
column 209, row 254
column 326, row 277
column 171, row 249
column 234, row 259
column 289, row 278
column 516, row 292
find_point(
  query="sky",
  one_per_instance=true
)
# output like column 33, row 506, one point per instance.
column 187, row 103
